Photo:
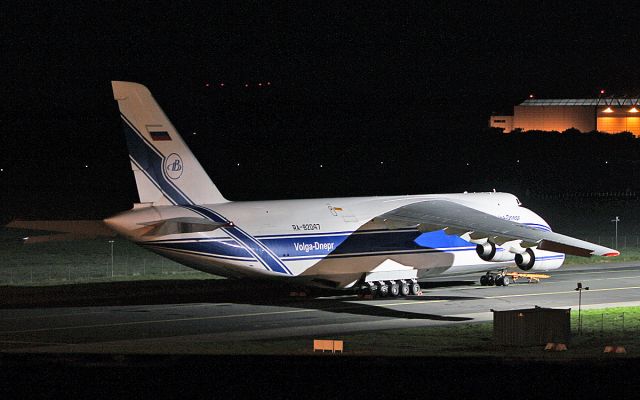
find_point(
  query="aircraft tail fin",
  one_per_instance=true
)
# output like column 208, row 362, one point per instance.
column 165, row 170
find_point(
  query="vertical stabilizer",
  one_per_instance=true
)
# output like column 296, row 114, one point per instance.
column 166, row 171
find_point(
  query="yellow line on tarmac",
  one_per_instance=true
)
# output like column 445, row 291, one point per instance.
column 112, row 309
column 40, row 343
column 411, row 302
column 554, row 293
column 158, row 321
column 613, row 278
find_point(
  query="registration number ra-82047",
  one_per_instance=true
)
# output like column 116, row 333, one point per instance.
column 306, row 227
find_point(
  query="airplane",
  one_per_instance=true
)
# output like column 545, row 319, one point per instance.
column 381, row 246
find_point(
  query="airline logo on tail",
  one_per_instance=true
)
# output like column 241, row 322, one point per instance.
column 173, row 166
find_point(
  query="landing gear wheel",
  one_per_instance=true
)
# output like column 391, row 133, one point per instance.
column 404, row 289
column 415, row 289
column 383, row 291
column 500, row 281
column 484, row 280
column 491, row 280
column 506, row 281
column 394, row 290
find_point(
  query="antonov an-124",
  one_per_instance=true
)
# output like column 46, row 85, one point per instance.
column 379, row 245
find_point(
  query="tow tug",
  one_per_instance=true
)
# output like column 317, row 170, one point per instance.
column 504, row 278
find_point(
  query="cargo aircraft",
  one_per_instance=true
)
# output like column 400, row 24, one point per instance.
column 379, row 245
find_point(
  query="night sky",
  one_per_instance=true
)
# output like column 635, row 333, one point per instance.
column 388, row 99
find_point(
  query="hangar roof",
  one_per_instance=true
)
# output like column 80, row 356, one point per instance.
column 581, row 102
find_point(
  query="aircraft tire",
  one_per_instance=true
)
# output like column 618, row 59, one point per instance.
column 506, row 281
column 491, row 281
column 500, row 281
column 404, row 290
column 415, row 289
column 484, row 280
column 394, row 290
column 383, row 290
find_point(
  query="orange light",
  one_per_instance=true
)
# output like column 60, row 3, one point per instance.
column 607, row 110
column 633, row 110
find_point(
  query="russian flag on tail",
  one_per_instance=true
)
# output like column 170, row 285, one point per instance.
column 159, row 135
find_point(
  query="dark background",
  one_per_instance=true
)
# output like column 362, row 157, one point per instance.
column 388, row 99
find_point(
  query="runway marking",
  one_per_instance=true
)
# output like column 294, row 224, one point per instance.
column 589, row 273
column 115, row 309
column 29, row 342
column 255, row 314
column 406, row 303
column 545, row 283
column 554, row 293
column 159, row 321
column 615, row 277
column 210, row 317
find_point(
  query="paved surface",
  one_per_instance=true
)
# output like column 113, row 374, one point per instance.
column 187, row 328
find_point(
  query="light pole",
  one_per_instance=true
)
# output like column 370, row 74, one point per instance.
column 111, row 241
column 616, row 220
column 579, row 289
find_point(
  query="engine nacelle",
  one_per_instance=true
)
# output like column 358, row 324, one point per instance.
column 539, row 260
column 488, row 252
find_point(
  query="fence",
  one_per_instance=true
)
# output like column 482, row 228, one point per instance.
column 611, row 324
column 624, row 241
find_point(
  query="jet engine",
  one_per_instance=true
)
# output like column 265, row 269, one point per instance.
column 538, row 260
column 489, row 252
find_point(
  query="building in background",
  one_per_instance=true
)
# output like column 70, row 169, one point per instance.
column 611, row 115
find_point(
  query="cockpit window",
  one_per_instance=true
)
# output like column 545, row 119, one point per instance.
column 518, row 201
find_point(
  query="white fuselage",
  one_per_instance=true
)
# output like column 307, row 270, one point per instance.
column 331, row 242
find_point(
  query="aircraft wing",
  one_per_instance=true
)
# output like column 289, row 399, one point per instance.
column 470, row 223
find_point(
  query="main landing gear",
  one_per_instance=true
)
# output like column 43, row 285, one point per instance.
column 397, row 288
column 495, row 279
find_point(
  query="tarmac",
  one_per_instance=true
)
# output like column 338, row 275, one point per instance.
column 187, row 327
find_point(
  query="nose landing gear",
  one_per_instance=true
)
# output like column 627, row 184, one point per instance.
column 495, row 279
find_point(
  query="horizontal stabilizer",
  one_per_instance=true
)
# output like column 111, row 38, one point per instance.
column 65, row 230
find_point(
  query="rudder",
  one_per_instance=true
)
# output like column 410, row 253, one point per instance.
column 165, row 170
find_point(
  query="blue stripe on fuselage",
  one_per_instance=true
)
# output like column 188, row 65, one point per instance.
column 253, row 246
column 224, row 248
column 322, row 245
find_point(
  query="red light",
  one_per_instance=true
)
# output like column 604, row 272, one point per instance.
column 221, row 84
column 601, row 91
column 531, row 96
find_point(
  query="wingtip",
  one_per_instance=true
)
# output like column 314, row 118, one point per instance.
column 611, row 254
